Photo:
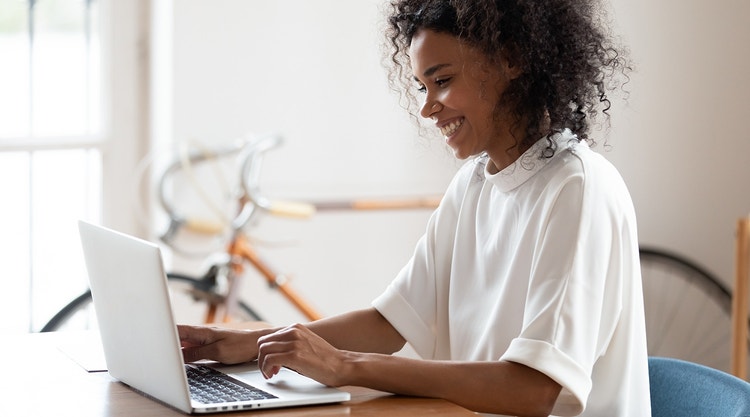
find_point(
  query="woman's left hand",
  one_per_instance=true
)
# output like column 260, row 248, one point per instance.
column 296, row 347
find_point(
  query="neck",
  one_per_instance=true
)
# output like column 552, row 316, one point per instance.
column 505, row 153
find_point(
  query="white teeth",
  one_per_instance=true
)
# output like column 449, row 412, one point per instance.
column 451, row 128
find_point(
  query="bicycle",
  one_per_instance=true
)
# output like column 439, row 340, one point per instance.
column 217, row 288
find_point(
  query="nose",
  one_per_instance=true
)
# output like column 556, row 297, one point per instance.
column 429, row 108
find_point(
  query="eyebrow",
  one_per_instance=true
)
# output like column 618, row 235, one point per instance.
column 432, row 70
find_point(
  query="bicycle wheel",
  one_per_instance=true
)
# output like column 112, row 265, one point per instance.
column 79, row 314
column 688, row 310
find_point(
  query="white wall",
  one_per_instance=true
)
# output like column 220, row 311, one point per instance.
column 311, row 71
column 683, row 145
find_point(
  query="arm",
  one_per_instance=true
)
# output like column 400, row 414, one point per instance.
column 499, row 387
column 330, row 351
column 229, row 346
column 359, row 331
column 496, row 387
column 362, row 331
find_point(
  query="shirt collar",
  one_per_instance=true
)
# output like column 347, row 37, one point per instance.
column 532, row 161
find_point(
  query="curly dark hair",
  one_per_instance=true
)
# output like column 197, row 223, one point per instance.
column 568, row 59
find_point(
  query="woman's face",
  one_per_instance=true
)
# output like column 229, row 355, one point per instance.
column 461, row 89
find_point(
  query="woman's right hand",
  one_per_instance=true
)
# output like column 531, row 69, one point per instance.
column 228, row 346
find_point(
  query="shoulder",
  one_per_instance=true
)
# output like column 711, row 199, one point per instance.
column 596, row 170
column 575, row 159
column 593, row 176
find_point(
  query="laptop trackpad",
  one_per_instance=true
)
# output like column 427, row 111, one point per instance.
column 286, row 382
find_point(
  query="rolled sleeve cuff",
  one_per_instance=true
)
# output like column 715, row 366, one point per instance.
column 406, row 321
column 547, row 359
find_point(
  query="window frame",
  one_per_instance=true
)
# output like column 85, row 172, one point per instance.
column 124, row 136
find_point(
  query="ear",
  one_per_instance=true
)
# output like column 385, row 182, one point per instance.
column 512, row 70
column 510, row 63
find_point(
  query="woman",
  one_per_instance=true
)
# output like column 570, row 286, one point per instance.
column 523, row 297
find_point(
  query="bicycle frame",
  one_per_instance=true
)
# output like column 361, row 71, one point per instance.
column 242, row 250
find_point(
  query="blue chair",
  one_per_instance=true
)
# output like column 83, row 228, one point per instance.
column 686, row 389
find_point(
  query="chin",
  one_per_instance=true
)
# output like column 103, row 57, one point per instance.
column 463, row 154
column 459, row 155
column 462, row 148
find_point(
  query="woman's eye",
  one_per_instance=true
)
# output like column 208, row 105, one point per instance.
column 442, row 81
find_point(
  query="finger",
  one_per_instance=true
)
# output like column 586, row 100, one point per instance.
column 270, row 373
column 273, row 355
column 295, row 331
column 274, row 348
column 271, row 364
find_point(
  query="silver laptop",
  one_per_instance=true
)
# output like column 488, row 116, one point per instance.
column 141, row 344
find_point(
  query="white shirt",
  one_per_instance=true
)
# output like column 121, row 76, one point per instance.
column 537, row 264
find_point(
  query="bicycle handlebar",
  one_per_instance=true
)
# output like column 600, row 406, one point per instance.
column 250, row 175
column 251, row 154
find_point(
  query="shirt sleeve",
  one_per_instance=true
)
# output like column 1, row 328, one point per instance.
column 574, row 295
column 413, row 317
column 415, row 302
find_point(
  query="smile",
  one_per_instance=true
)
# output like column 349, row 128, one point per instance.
column 451, row 127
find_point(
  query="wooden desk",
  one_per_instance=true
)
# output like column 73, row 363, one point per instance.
column 38, row 379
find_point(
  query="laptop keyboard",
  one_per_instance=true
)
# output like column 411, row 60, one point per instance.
column 209, row 386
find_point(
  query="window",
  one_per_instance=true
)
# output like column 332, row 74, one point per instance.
column 51, row 139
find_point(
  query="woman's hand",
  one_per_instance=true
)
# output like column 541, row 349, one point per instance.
column 297, row 347
column 227, row 346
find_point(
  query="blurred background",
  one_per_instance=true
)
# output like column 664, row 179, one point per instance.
column 97, row 95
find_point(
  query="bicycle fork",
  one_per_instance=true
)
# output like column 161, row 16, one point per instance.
column 240, row 250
